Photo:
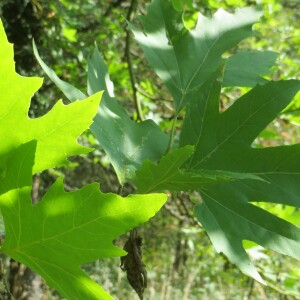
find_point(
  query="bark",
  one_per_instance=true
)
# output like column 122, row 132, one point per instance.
column 24, row 283
column 4, row 292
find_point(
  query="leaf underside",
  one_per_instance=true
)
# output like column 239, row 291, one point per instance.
column 126, row 142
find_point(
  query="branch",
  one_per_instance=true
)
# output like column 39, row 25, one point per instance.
column 114, row 4
column 137, row 103
column 153, row 98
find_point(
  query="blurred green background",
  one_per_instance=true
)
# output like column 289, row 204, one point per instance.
column 181, row 262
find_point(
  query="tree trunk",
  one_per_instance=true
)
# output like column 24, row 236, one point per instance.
column 24, row 283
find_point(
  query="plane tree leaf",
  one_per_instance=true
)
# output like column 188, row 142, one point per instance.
column 224, row 141
column 170, row 174
column 216, row 153
column 188, row 62
column 185, row 59
column 226, row 138
column 65, row 230
column 229, row 219
column 245, row 68
column 126, row 142
column 56, row 132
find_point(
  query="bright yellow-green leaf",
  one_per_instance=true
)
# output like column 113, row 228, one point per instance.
column 70, row 34
column 65, row 230
column 56, row 132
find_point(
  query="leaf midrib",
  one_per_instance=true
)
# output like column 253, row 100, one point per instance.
column 240, row 126
column 42, row 240
column 242, row 217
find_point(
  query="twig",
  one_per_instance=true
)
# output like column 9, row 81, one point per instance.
column 137, row 103
column 120, row 189
column 248, row 292
column 114, row 4
column 189, row 284
column 174, row 214
column 172, row 133
column 140, row 91
column 182, row 199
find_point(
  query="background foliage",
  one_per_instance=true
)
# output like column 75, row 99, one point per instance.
column 181, row 263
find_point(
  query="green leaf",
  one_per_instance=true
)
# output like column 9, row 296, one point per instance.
column 244, row 68
column 292, row 110
column 169, row 174
column 183, row 5
column 185, row 59
column 69, row 90
column 13, row 161
column 56, row 132
column 69, row 34
column 152, row 177
column 126, row 142
column 229, row 219
column 65, row 230
column 223, row 141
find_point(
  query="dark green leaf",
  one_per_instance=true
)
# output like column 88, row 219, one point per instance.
column 169, row 174
column 245, row 68
column 229, row 219
column 185, row 59
column 126, row 142
column 65, row 230
column 223, row 141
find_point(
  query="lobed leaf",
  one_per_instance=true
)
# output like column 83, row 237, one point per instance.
column 229, row 219
column 169, row 174
column 244, row 68
column 126, row 142
column 185, row 59
column 224, row 141
column 56, row 132
column 188, row 62
column 65, row 230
